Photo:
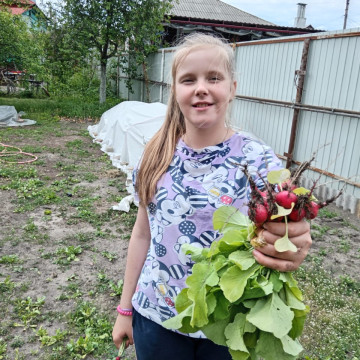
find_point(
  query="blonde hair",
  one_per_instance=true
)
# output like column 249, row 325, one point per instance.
column 159, row 151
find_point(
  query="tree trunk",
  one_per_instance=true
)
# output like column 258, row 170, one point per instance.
column 103, row 81
column 146, row 78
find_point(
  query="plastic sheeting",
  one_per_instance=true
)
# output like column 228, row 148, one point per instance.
column 10, row 117
column 123, row 132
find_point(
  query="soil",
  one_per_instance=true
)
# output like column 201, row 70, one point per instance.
column 336, row 239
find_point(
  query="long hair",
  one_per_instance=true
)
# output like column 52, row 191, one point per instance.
column 159, row 151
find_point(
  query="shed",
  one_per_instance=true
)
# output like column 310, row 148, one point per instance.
column 216, row 16
column 27, row 9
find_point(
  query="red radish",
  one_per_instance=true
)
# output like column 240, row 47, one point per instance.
column 285, row 199
column 258, row 213
column 313, row 209
column 288, row 185
column 297, row 214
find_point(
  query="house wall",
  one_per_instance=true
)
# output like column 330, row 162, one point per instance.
column 267, row 78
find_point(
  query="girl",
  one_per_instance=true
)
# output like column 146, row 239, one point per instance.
column 188, row 170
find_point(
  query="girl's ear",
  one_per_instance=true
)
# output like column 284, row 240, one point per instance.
column 233, row 90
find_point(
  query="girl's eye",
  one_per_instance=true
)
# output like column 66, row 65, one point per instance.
column 214, row 79
column 187, row 81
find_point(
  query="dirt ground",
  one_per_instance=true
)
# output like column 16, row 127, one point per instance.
column 336, row 236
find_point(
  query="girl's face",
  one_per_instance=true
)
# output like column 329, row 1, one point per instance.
column 204, row 89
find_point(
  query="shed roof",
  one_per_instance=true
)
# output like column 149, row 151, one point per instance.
column 18, row 7
column 214, row 10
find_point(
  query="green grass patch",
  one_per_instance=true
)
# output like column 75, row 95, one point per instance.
column 50, row 110
column 332, row 329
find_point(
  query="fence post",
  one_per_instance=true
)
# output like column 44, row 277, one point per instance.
column 300, row 87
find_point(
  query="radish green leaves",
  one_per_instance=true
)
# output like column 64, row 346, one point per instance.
column 254, row 311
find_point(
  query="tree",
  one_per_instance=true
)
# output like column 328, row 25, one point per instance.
column 147, row 37
column 107, row 25
column 20, row 47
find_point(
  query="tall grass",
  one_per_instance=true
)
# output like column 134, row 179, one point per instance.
column 53, row 109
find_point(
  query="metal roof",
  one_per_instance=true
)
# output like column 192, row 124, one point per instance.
column 18, row 7
column 215, row 10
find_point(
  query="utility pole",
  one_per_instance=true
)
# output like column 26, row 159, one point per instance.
column 346, row 13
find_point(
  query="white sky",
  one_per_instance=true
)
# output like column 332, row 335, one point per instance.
column 321, row 14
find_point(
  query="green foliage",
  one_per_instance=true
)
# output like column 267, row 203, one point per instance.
column 147, row 20
column 48, row 111
column 254, row 311
column 28, row 310
column 88, row 33
column 66, row 255
column 3, row 347
column 20, row 47
column 7, row 285
column 335, row 307
column 9, row 259
column 95, row 327
column 46, row 339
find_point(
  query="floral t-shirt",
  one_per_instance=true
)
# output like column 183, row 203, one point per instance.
column 196, row 183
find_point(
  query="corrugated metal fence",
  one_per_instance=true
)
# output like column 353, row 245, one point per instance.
column 300, row 95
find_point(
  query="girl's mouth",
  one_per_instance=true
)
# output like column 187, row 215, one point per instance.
column 201, row 105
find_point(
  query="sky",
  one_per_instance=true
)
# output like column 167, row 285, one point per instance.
column 321, row 14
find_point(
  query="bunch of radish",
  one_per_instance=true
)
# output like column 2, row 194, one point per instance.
column 283, row 200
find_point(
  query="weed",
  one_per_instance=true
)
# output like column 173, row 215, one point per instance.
column 326, row 298
column 47, row 340
column 97, row 330
column 326, row 213
column 110, row 256
column 347, row 223
column 103, row 281
column 32, row 232
column 83, row 346
column 344, row 244
column 84, row 237
column 67, row 254
column 350, row 285
column 75, row 144
column 7, row 285
column 11, row 171
column 72, row 291
column 9, row 259
column 116, row 288
column 19, row 356
column 129, row 218
column 28, row 310
column 321, row 229
column 30, row 227
column 89, row 177
column 319, row 232
column 66, row 167
column 18, row 342
column 33, row 149
column 3, row 348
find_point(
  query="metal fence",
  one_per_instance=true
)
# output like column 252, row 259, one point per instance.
column 301, row 95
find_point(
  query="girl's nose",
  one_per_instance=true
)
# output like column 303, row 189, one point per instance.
column 201, row 88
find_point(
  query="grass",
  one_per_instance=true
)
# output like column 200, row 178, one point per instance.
column 332, row 329
column 64, row 190
column 72, row 314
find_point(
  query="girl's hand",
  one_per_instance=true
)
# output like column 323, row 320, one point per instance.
column 299, row 235
column 123, row 328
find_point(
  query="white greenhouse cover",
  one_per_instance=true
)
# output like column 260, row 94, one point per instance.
column 10, row 117
column 123, row 132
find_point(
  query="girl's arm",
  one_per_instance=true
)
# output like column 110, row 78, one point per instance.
column 138, row 248
column 299, row 235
